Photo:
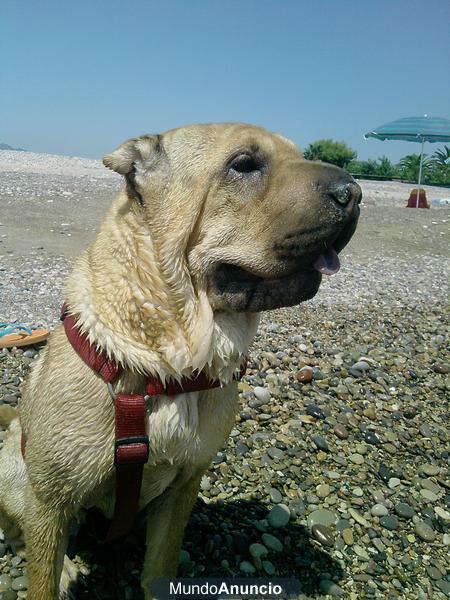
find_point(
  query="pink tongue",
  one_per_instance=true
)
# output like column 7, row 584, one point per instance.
column 328, row 263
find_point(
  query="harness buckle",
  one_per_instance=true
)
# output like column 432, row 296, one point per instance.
column 131, row 450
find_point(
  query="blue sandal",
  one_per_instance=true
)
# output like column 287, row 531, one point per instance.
column 14, row 334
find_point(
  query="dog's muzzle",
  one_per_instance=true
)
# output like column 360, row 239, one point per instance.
column 303, row 259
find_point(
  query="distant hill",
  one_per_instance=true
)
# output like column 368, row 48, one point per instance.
column 8, row 147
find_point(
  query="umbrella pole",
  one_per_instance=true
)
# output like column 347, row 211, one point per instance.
column 420, row 174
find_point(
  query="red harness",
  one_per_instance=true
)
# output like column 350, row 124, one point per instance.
column 131, row 440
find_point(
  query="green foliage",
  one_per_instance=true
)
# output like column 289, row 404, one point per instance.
column 440, row 156
column 336, row 153
column 382, row 167
column 362, row 167
column 434, row 168
column 438, row 173
column 410, row 165
column 385, row 168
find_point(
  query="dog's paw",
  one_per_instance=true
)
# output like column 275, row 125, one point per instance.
column 69, row 577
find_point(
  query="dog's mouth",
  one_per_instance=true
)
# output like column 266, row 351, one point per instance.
column 238, row 287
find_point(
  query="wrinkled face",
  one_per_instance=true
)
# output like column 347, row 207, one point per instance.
column 261, row 223
column 272, row 224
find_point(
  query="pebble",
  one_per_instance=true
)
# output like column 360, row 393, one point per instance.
column 279, row 516
column 20, row 583
column 205, row 483
column 360, row 366
column 427, row 512
column 384, row 472
column 355, row 372
column 389, row 522
column 359, row 551
column 258, row 550
column 378, row 544
column 370, row 412
column 272, row 542
column 347, row 536
column 275, row 496
column 320, row 442
column 322, row 517
column 340, row 431
column 262, row 394
column 379, row 510
column 305, row 375
column 241, row 449
column 441, row 368
column 247, row 567
column 11, row 595
column 10, row 399
column 356, row 458
column 358, row 517
column 268, row 567
column 404, row 511
column 428, row 484
column 318, row 375
column 323, row 490
column 428, row 495
column 275, row 453
column 444, row 586
column 329, row 587
column 342, row 524
column 390, row 448
column 434, row 573
column 323, row 535
column 393, row 482
column 429, row 469
column 15, row 572
column 5, row 583
column 425, row 430
column 442, row 513
column 424, row 531
column 30, row 353
column 371, row 438
column 315, row 411
column 15, row 562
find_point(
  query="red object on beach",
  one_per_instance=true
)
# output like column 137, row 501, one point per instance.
column 412, row 201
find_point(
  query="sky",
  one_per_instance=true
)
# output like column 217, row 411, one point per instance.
column 79, row 77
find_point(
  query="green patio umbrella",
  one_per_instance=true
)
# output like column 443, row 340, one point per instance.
column 414, row 129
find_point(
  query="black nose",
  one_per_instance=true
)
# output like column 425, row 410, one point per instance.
column 345, row 193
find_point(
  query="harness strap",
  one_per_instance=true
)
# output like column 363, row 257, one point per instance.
column 130, row 454
column 99, row 362
column 199, row 382
column 131, row 450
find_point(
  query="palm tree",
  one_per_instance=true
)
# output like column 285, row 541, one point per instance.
column 385, row 168
column 410, row 166
column 440, row 156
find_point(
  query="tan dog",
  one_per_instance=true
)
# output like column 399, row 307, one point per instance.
column 217, row 223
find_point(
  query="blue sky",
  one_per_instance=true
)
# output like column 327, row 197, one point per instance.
column 79, row 77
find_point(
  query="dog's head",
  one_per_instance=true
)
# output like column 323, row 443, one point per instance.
column 240, row 212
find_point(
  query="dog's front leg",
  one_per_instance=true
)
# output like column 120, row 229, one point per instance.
column 167, row 518
column 46, row 528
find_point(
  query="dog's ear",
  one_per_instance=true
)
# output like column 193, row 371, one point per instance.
column 135, row 159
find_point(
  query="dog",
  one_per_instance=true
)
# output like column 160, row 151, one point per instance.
column 215, row 224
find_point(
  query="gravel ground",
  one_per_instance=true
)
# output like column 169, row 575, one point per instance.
column 336, row 472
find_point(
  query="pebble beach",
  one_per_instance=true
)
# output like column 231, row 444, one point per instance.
column 336, row 472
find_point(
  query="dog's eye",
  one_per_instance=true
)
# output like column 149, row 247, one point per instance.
column 245, row 164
